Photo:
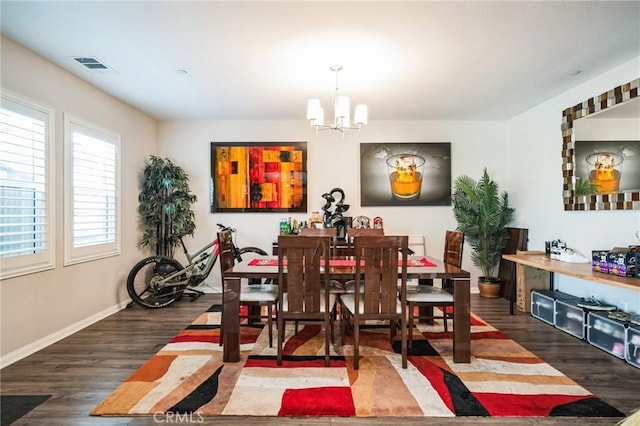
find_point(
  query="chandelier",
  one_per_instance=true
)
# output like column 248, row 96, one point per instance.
column 341, row 122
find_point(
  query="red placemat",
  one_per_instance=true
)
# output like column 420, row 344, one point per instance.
column 420, row 262
column 263, row 262
column 336, row 262
column 342, row 262
column 412, row 262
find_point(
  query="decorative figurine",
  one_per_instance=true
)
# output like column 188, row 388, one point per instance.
column 336, row 218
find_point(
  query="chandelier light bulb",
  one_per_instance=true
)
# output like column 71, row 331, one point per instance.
column 313, row 109
column 360, row 115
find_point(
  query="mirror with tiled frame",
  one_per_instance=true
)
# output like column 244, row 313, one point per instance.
column 620, row 98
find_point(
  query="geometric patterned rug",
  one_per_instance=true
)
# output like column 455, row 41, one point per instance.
column 503, row 378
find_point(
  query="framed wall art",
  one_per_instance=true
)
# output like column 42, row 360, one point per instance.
column 405, row 174
column 258, row 177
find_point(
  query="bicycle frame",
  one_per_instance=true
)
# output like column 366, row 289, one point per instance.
column 199, row 264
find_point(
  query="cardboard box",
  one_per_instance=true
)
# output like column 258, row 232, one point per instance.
column 622, row 261
column 599, row 261
column 528, row 279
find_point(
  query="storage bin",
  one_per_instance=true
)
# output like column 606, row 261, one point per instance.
column 542, row 305
column 606, row 334
column 570, row 318
column 633, row 346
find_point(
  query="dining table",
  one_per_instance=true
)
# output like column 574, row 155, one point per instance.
column 424, row 268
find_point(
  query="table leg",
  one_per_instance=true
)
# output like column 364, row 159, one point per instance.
column 461, row 321
column 231, row 322
column 253, row 312
column 425, row 312
column 514, row 287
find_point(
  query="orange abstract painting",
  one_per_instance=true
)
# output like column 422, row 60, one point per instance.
column 258, row 177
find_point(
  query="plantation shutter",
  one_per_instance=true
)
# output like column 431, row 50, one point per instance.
column 92, row 176
column 23, row 175
column 26, row 190
column 94, row 191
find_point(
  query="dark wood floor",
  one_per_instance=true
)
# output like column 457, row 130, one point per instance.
column 81, row 370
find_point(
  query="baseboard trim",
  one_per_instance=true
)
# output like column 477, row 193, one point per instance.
column 34, row 347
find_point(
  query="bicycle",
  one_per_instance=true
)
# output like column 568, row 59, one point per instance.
column 158, row 281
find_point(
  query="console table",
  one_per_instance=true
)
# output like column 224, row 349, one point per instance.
column 577, row 270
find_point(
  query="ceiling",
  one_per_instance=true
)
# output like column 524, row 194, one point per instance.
column 262, row 60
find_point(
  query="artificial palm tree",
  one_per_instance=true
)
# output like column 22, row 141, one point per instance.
column 482, row 213
column 165, row 205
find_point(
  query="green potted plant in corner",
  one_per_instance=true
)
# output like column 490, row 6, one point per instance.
column 483, row 213
column 165, row 205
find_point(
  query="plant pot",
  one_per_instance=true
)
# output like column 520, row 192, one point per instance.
column 489, row 287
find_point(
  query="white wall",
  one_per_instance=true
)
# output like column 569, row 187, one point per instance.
column 612, row 129
column 333, row 161
column 38, row 309
column 533, row 163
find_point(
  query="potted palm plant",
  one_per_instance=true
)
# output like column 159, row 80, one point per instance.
column 483, row 213
column 165, row 205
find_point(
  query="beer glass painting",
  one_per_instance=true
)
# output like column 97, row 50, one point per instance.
column 405, row 174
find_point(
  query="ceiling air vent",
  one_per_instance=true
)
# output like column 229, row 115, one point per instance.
column 91, row 63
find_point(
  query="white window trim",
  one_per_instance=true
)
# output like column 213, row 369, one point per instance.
column 28, row 264
column 74, row 255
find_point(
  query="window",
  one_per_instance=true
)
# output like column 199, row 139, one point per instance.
column 26, row 187
column 92, row 192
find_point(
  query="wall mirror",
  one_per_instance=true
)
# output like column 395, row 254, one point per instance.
column 601, row 151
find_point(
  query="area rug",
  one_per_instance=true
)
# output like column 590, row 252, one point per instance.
column 503, row 378
column 13, row 407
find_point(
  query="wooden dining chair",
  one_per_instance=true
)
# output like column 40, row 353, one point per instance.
column 322, row 232
column 426, row 297
column 377, row 259
column 358, row 232
column 308, row 296
column 251, row 295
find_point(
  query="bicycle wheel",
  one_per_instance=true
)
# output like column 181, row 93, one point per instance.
column 142, row 282
column 254, row 250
